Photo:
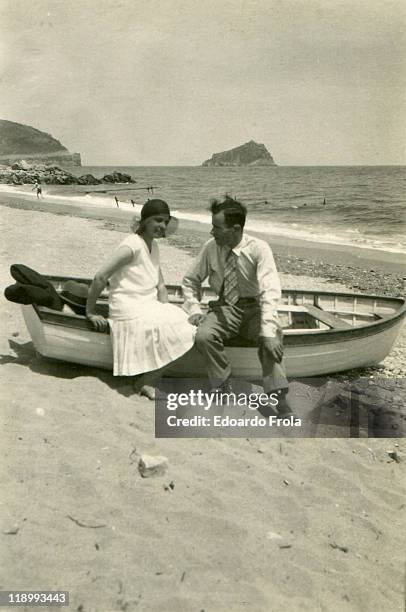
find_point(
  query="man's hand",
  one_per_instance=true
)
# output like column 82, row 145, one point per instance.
column 274, row 346
column 196, row 319
column 98, row 321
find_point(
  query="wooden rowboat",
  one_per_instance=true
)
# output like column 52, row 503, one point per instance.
column 324, row 333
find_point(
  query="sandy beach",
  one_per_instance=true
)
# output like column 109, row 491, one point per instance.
column 247, row 526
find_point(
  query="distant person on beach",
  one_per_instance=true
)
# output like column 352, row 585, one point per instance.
column 147, row 333
column 132, row 203
column 38, row 189
column 242, row 272
column 116, row 199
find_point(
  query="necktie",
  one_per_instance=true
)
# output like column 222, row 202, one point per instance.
column 230, row 293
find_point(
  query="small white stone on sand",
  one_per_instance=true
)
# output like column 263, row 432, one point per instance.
column 40, row 411
column 152, row 466
column 278, row 539
column 271, row 535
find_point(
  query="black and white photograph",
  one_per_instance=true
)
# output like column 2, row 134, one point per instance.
column 203, row 351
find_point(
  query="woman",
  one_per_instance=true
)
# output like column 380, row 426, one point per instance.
column 147, row 333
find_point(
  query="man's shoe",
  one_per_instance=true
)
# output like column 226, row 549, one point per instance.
column 269, row 409
column 283, row 408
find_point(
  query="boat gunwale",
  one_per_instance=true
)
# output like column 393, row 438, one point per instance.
column 299, row 338
column 300, row 291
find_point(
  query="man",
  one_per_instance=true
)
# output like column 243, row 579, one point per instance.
column 242, row 272
column 38, row 189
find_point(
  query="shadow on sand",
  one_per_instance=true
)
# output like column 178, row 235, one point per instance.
column 26, row 355
column 327, row 407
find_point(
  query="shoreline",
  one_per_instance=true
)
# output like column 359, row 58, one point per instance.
column 386, row 259
column 362, row 270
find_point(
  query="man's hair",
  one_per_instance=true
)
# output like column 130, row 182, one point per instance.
column 234, row 212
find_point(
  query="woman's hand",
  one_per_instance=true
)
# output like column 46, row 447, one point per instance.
column 98, row 321
column 123, row 256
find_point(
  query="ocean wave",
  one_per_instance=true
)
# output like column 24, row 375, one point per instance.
column 93, row 201
column 332, row 231
column 351, row 237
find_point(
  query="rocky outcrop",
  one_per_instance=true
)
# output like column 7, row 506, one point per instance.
column 23, row 141
column 88, row 179
column 117, row 177
column 22, row 173
column 248, row 154
column 21, row 165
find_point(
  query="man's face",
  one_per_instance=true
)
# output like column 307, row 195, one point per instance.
column 223, row 234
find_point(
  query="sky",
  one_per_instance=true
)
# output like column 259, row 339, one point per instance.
column 170, row 82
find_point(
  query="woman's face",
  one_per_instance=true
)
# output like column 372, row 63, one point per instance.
column 155, row 227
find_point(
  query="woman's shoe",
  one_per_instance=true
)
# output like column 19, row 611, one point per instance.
column 148, row 391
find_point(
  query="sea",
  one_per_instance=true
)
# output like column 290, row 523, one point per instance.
column 362, row 206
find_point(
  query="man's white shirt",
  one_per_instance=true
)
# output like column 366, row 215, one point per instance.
column 257, row 277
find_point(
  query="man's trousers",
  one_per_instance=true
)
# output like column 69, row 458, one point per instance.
column 224, row 322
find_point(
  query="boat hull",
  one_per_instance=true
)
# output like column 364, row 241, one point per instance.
column 311, row 354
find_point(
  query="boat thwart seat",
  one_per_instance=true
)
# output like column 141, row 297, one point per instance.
column 327, row 318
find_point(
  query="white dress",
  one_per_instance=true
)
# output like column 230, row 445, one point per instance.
column 146, row 334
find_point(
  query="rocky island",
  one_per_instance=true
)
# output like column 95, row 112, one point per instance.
column 248, row 154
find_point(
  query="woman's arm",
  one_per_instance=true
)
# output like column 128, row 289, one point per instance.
column 162, row 291
column 122, row 257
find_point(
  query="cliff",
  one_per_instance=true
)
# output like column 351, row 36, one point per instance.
column 249, row 154
column 18, row 141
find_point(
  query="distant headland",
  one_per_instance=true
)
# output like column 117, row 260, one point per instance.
column 28, row 156
column 19, row 141
column 248, row 154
